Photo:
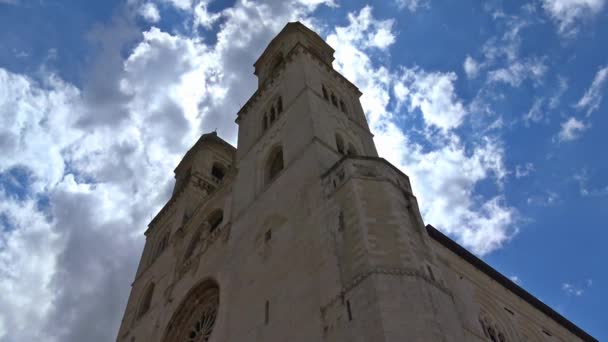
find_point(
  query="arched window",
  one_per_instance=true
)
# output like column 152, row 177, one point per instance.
column 218, row 171
column 162, row 244
column 334, row 100
column 274, row 164
column 146, row 301
column 215, row 219
column 342, row 106
column 324, row 93
column 196, row 315
column 352, row 151
column 192, row 246
column 280, row 104
column 278, row 60
column 272, row 117
column 339, row 144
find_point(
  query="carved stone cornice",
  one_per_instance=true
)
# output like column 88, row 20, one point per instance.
column 383, row 271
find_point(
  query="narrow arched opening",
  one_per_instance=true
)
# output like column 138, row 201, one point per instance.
column 265, row 122
column 274, row 164
column 218, row 171
column 352, row 151
column 146, row 301
column 280, row 105
column 340, row 144
column 215, row 219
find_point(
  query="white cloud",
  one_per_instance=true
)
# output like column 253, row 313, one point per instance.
column 593, row 96
column 203, row 18
column 471, row 67
column 577, row 290
column 99, row 155
column 572, row 290
column 183, row 5
column 536, row 112
column 367, row 32
column 149, row 11
column 434, row 94
column 413, row 5
column 445, row 174
column 561, row 89
column 567, row 13
column 547, row 199
column 519, row 71
column 515, row 279
column 582, row 178
column 100, row 158
column 571, row 129
column 524, row 170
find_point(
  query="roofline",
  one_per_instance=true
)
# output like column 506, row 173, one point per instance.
column 297, row 25
column 211, row 137
column 507, row 283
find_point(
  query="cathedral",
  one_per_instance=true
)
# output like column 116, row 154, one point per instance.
column 303, row 233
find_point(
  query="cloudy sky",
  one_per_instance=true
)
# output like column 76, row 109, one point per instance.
column 494, row 109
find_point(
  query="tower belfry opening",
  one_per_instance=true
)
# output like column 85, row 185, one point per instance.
column 305, row 215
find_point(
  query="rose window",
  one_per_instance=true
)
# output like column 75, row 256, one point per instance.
column 205, row 319
column 194, row 319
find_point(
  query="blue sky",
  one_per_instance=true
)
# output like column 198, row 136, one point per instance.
column 494, row 109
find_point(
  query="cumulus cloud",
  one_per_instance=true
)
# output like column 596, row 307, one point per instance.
column 98, row 159
column 434, row 95
column 203, row 18
column 571, row 129
column 97, row 155
column 592, row 98
column 568, row 13
column 149, row 11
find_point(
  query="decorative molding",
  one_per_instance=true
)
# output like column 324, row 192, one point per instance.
column 384, row 271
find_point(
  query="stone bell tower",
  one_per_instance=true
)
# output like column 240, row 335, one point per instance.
column 302, row 233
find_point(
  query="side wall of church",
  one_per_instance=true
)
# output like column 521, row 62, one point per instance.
column 482, row 301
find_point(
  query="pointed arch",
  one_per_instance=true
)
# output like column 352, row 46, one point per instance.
column 280, row 104
column 215, row 219
column 265, row 122
column 334, row 100
column 192, row 245
column 196, row 315
column 343, row 107
column 218, row 171
column 340, row 144
column 325, row 96
column 274, row 163
column 146, row 301
column 352, row 151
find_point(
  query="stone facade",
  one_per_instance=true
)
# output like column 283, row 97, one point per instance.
column 303, row 233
